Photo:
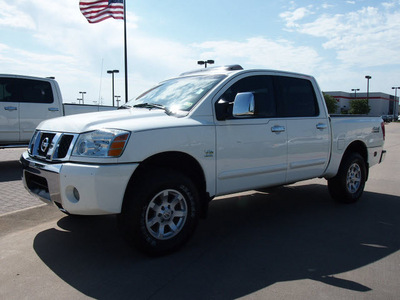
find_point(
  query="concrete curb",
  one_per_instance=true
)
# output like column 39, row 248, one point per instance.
column 27, row 218
column 22, row 210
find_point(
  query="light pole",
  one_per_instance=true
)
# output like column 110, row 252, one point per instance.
column 395, row 107
column 117, row 100
column 112, row 78
column 83, row 100
column 355, row 92
column 368, row 78
column 205, row 62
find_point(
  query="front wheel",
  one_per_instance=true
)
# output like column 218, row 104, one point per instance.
column 348, row 185
column 160, row 212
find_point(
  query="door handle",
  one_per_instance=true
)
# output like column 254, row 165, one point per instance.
column 278, row 129
column 322, row 126
column 53, row 109
column 10, row 108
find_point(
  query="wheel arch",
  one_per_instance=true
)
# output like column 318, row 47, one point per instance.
column 181, row 162
column 358, row 147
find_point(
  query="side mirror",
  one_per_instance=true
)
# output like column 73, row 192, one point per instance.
column 243, row 106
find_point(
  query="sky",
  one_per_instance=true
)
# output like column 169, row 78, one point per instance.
column 338, row 42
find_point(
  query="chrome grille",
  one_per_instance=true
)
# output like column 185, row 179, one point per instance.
column 65, row 143
column 52, row 146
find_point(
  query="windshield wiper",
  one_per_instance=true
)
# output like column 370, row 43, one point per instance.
column 125, row 106
column 152, row 105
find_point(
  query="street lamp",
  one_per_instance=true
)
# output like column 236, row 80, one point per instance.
column 117, row 100
column 83, row 100
column 355, row 92
column 205, row 62
column 395, row 88
column 112, row 78
column 368, row 78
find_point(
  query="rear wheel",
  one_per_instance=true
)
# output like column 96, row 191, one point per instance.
column 348, row 185
column 160, row 212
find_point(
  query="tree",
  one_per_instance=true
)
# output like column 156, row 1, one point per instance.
column 359, row 107
column 331, row 103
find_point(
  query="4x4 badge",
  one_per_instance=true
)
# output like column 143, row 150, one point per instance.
column 209, row 153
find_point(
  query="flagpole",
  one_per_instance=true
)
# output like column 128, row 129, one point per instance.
column 126, row 55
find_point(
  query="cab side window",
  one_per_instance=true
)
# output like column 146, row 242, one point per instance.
column 25, row 90
column 296, row 97
column 8, row 90
column 36, row 91
column 262, row 89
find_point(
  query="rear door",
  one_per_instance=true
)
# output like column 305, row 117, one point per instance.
column 307, row 129
column 36, row 104
column 9, row 111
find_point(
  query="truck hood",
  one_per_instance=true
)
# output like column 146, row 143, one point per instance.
column 135, row 119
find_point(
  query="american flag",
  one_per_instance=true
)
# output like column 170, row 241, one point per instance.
column 99, row 10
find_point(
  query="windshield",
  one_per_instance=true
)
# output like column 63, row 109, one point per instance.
column 179, row 94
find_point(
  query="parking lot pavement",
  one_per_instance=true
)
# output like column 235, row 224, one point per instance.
column 13, row 196
column 292, row 242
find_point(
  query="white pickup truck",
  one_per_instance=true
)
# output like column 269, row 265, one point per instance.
column 158, row 162
column 26, row 101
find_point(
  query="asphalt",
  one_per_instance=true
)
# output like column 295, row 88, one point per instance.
column 13, row 196
column 287, row 243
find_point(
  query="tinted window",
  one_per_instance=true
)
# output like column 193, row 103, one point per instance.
column 8, row 90
column 296, row 97
column 262, row 89
column 25, row 90
column 35, row 91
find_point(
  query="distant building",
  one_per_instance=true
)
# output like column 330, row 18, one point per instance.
column 381, row 104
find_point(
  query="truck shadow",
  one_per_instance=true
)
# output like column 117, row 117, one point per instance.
column 246, row 244
column 10, row 171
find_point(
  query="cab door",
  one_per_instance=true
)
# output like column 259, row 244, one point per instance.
column 251, row 150
column 307, row 128
column 9, row 111
column 36, row 104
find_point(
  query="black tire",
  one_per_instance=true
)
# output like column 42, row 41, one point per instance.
column 160, row 212
column 348, row 185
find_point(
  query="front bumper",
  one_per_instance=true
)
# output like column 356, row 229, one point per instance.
column 77, row 188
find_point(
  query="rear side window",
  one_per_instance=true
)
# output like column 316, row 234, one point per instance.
column 296, row 97
column 35, row 91
column 25, row 90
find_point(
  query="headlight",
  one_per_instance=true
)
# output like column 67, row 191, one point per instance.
column 101, row 143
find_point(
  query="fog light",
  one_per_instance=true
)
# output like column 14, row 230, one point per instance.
column 72, row 194
column 76, row 194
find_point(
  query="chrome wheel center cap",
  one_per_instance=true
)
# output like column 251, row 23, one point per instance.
column 167, row 215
